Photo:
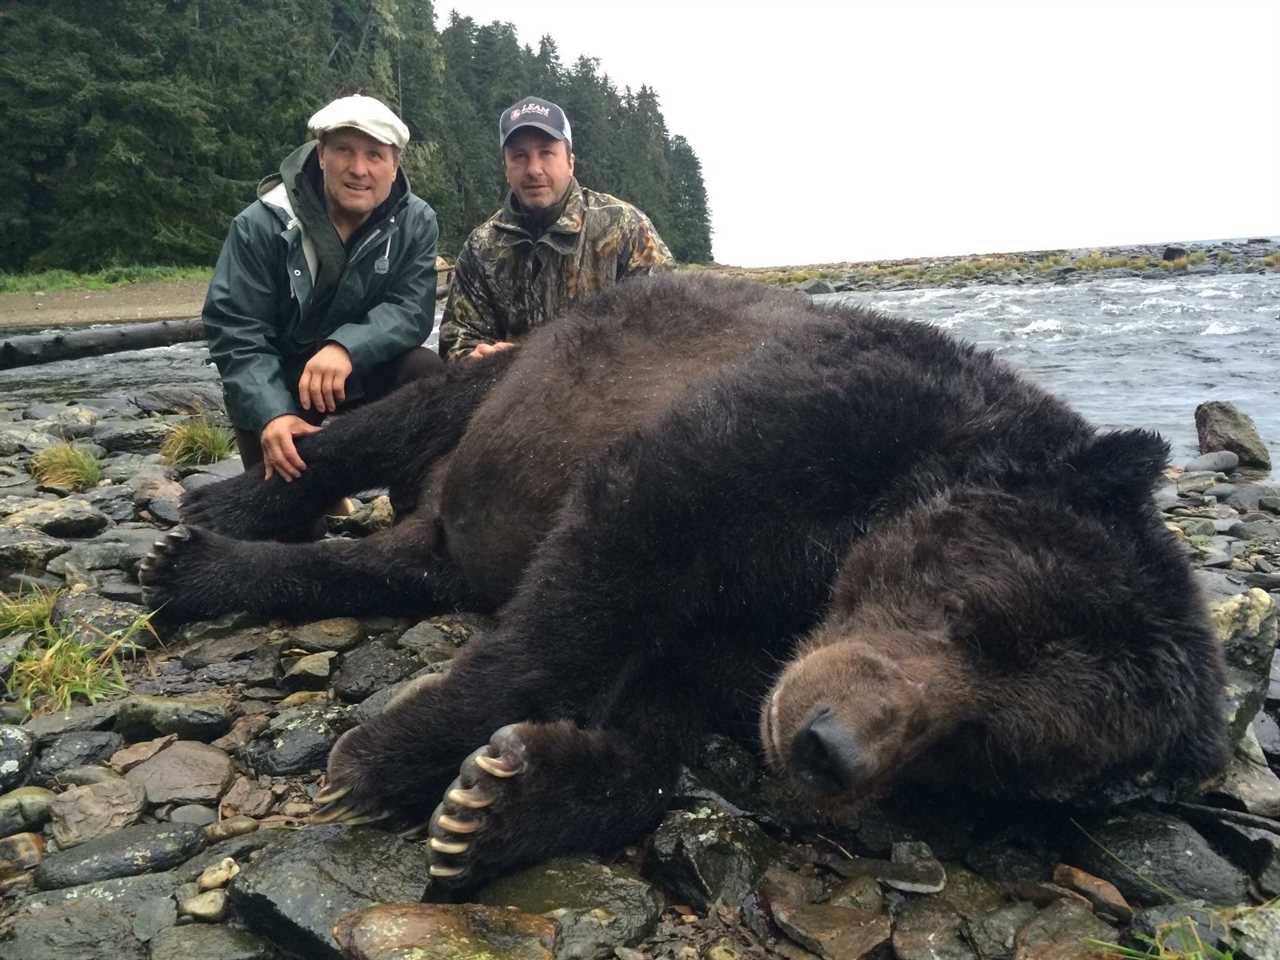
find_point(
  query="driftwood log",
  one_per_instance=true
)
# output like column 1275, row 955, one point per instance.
column 35, row 348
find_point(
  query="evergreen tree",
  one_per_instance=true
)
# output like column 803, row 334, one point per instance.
column 138, row 128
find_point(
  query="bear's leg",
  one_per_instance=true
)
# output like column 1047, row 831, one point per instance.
column 392, row 441
column 195, row 574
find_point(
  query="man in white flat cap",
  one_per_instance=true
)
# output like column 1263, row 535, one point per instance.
column 326, row 285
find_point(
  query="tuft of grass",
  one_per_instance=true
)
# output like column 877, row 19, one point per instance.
column 1178, row 264
column 198, row 440
column 1197, row 256
column 1045, row 264
column 104, row 279
column 27, row 613
column 66, row 465
column 1225, row 256
column 57, row 666
column 1272, row 261
column 1177, row 940
column 1096, row 261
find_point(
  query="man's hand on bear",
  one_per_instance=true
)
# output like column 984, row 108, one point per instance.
column 323, row 384
column 279, row 455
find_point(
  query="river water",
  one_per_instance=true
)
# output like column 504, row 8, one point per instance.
column 1124, row 352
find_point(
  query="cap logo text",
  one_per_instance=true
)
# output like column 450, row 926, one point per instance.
column 530, row 108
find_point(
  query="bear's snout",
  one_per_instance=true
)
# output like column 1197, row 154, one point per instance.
column 825, row 752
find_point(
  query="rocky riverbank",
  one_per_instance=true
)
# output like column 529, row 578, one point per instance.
column 169, row 821
column 1148, row 261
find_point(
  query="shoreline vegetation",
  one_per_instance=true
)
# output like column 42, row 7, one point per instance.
column 146, row 292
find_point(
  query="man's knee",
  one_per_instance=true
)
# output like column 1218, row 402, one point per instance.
column 414, row 364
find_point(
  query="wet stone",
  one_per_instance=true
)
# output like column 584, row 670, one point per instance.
column 10, row 647
column 145, row 848
column 1060, row 932
column 193, row 813
column 24, row 809
column 1257, row 934
column 165, row 510
column 1173, row 860
column 338, row 633
column 297, row 740
column 194, row 718
column 1246, row 626
column 187, row 772
column 370, row 668
column 58, row 518
column 309, row 673
column 230, row 829
column 1182, row 927
column 89, row 922
column 597, row 907
column 114, row 500
column 74, row 750
column 836, row 933
column 1220, row 461
column 928, row 929
column 92, row 617
column 1104, row 897
column 298, row 888
column 28, row 549
column 992, row 934
column 207, row 907
column 94, row 555
column 80, row 814
column 222, row 649
column 429, row 643
column 20, row 852
column 701, row 857
column 209, row 942
column 1248, row 782
column 122, row 761
column 131, row 436
column 96, row 716
column 1256, row 849
column 861, row 893
column 429, row 930
column 17, row 751
column 218, row 875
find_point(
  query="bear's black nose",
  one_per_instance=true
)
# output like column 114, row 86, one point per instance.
column 824, row 753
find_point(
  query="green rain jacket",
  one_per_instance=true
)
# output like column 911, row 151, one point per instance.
column 509, row 280
column 285, row 285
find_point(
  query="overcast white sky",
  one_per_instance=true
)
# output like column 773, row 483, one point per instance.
column 854, row 131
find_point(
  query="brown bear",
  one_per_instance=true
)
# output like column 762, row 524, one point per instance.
column 701, row 504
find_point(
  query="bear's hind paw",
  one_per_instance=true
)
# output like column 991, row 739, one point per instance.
column 467, row 833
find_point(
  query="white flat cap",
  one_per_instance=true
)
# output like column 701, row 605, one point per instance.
column 364, row 114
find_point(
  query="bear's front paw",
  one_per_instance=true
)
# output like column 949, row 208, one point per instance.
column 475, row 831
column 182, row 577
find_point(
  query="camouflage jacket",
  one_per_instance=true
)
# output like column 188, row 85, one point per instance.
column 508, row 281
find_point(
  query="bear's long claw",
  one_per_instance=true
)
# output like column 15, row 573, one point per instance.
column 415, row 832
column 472, row 799
column 454, row 825
column 445, row 846
column 445, row 873
column 364, row 818
column 495, row 767
column 331, row 793
column 333, row 813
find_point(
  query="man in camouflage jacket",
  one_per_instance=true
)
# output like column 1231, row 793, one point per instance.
column 552, row 242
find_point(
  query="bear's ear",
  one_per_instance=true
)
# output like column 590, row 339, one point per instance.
column 1120, row 467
